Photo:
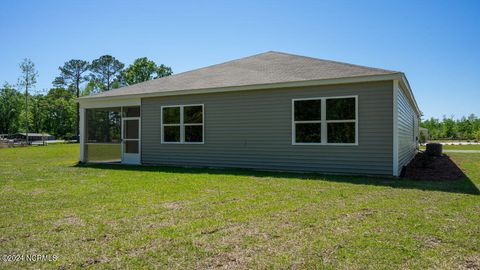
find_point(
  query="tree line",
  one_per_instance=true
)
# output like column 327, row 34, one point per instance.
column 55, row 111
column 465, row 128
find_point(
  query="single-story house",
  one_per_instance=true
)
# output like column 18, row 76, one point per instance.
column 270, row 111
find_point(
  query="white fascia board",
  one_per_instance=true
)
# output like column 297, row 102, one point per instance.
column 358, row 79
column 108, row 103
column 409, row 93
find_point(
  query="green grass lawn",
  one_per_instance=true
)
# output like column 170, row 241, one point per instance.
column 131, row 217
column 459, row 147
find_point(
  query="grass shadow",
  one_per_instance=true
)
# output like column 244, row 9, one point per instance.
column 463, row 185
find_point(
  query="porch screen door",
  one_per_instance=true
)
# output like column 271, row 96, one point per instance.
column 131, row 140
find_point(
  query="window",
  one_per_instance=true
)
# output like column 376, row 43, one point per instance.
column 131, row 111
column 171, row 124
column 341, row 120
column 182, row 124
column 308, row 121
column 330, row 120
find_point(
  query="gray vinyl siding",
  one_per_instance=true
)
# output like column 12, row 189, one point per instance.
column 407, row 130
column 253, row 129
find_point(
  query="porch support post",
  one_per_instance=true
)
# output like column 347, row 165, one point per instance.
column 83, row 157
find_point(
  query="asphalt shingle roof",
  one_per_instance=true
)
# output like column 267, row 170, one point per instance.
column 265, row 68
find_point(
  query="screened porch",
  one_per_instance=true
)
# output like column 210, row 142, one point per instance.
column 111, row 135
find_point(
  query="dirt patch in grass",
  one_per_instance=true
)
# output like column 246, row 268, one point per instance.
column 428, row 240
column 472, row 262
column 425, row 167
column 91, row 261
column 362, row 214
column 5, row 239
column 173, row 205
column 228, row 251
column 70, row 220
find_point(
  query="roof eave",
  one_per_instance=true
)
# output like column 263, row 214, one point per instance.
column 344, row 80
column 404, row 82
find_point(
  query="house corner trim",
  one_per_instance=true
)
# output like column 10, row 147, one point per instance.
column 395, row 128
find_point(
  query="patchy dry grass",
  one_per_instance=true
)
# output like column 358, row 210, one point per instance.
column 130, row 217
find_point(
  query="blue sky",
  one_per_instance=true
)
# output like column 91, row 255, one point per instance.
column 436, row 43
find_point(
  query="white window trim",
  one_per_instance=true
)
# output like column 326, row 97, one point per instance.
column 324, row 122
column 182, row 124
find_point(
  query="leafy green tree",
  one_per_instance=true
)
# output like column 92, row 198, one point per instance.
column 10, row 109
column 422, row 138
column 476, row 135
column 449, row 128
column 105, row 71
column 59, row 112
column 37, row 114
column 27, row 81
column 464, row 128
column 144, row 69
column 72, row 73
column 434, row 128
column 163, row 71
column 116, row 84
column 89, row 88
